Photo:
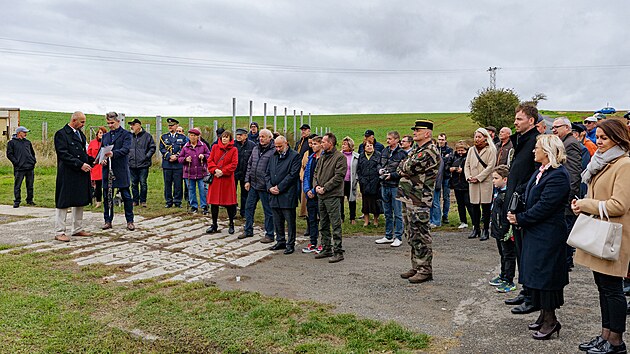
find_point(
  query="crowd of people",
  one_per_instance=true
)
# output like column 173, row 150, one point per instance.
column 524, row 189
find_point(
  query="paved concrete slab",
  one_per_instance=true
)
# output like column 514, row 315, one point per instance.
column 168, row 246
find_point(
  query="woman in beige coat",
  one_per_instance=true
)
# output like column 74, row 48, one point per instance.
column 607, row 176
column 478, row 171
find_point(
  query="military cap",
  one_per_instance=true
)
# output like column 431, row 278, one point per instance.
column 136, row 120
column 423, row 124
column 240, row 131
column 172, row 121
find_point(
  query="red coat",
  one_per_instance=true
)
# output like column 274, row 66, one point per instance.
column 222, row 191
column 97, row 170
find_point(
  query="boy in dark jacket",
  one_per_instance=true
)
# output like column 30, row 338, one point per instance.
column 499, row 229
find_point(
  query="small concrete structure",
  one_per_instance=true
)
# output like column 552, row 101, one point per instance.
column 9, row 121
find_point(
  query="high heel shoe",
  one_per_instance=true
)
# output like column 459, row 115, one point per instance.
column 544, row 336
column 534, row 326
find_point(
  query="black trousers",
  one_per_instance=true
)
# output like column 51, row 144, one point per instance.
column 352, row 205
column 480, row 212
column 280, row 216
column 173, row 186
column 98, row 190
column 244, row 194
column 29, row 175
column 612, row 302
column 518, row 243
column 507, row 251
column 463, row 204
column 214, row 211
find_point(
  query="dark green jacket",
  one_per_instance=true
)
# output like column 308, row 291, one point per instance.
column 329, row 173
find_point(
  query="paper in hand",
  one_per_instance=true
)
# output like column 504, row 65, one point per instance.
column 101, row 153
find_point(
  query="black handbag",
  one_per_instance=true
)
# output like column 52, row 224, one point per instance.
column 516, row 203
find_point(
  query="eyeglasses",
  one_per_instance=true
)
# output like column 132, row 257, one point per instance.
column 589, row 122
column 558, row 126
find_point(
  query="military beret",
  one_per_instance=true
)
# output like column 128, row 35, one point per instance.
column 423, row 124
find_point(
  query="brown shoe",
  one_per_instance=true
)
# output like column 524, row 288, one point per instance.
column 323, row 254
column 408, row 274
column 336, row 258
column 266, row 240
column 107, row 225
column 130, row 226
column 82, row 233
column 62, row 238
column 144, row 205
column 420, row 278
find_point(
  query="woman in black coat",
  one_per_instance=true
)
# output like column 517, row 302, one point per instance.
column 367, row 171
column 544, row 268
column 458, row 181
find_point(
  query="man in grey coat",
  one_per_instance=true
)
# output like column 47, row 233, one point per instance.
column 283, row 173
column 142, row 150
column 562, row 128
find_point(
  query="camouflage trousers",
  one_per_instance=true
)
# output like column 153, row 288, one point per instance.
column 416, row 224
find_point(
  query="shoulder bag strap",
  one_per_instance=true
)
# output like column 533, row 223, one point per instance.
column 479, row 158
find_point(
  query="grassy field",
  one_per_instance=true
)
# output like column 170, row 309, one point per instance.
column 48, row 304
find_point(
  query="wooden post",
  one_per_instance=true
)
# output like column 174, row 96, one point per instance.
column 265, row 115
column 275, row 118
column 251, row 104
column 233, row 114
column 44, row 131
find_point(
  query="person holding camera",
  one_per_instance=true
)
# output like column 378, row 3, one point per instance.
column 391, row 157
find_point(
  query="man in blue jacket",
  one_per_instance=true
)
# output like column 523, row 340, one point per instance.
column 171, row 144
column 116, row 171
column 281, row 178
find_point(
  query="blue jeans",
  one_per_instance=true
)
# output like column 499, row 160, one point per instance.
column 392, row 209
column 250, row 208
column 436, row 213
column 139, row 177
column 192, row 193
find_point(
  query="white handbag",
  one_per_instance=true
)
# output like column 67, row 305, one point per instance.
column 597, row 237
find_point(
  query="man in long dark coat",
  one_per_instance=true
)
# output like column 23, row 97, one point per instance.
column 72, row 189
column 119, row 160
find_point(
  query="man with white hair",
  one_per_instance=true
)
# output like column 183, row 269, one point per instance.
column 281, row 178
column 504, row 147
column 562, row 128
column 256, row 186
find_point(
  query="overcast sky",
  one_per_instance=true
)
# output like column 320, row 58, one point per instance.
column 191, row 57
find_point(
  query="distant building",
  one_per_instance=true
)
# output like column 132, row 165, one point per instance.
column 9, row 121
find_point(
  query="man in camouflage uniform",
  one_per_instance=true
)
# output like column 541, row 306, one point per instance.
column 418, row 174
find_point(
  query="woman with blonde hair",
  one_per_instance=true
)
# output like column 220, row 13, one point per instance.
column 607, row 176
column 478, row 170
column 350, row 180
column 544, row 269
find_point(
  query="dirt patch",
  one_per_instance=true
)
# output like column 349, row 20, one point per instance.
column 458, row 308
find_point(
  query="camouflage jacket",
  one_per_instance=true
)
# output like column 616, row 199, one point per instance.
column 418, row 174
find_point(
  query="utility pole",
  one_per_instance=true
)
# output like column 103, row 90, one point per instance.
column 493, row 76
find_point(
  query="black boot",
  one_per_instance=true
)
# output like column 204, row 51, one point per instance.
column 212, row 229
column 231, row 228
column 475, row 233
column 484, row 236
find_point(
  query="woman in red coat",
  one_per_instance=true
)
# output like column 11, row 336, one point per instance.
column 96, row 173
column 222, row 191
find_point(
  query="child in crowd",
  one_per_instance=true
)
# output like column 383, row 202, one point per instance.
column 499, row 229
column 458, row 182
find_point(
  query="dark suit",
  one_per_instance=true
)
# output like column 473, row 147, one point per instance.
column 121, row 140
column 172, row 144
column 283, row 171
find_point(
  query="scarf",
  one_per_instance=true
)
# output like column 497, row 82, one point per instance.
column 601, row 160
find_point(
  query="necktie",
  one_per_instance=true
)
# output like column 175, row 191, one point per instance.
column 76, row 132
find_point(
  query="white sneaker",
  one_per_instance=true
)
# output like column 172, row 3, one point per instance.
column 462, row 226
column 383, row 240
column 432, row 225
column 396, row 243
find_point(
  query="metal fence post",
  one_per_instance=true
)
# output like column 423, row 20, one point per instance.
column 275, row 118
column 285, row 121
column 294, row 125
column 301, row 118
column 147, row 128
column 191, row 124
column 265, row 115
column 214, row 131
column 309, row 119
column 233, row 114
column 251, row 104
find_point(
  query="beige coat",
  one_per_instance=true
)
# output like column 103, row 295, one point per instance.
column 480, row 193
column 610, row 185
